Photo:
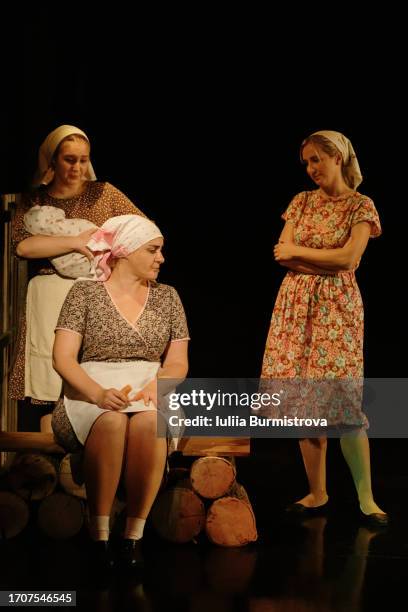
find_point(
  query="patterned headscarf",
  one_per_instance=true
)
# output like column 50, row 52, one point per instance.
column 351, row 169
column 118, row 237
column 45, row 172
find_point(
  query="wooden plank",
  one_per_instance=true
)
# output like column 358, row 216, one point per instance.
column 26, row 441
column 202, row 447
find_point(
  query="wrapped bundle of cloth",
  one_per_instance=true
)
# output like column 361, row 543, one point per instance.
column 51, row 221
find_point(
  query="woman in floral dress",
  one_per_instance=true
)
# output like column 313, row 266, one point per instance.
column 317, row 326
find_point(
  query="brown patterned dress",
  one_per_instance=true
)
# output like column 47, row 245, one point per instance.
column 97, row 203
column 108, row 337
column 317, row 325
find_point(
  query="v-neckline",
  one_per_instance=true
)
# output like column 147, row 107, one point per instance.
column 133, row 325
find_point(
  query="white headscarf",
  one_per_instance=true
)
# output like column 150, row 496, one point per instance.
column 45, row 172
column 118, row 237
column 351, row 169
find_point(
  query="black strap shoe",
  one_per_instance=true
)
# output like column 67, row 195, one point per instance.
column 102, row 555
column 131, row 554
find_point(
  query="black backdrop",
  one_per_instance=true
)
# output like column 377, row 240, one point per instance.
column 200, row 130
column 198, row 119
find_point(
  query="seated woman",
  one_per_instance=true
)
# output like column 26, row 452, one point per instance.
column 116, row 335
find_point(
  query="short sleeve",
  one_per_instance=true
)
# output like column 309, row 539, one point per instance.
column 179, row 329
column 295, row 209
column 366, row 211
column 121, row 205
column 74, row 310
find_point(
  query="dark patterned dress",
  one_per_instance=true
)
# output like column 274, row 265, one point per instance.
column 109, row 338
column 97, row 203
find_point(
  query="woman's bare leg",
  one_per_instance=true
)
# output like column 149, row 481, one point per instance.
column 45, row 423
column 314, row 458
column 103, row 460
column 145, row 462
column 356, row 451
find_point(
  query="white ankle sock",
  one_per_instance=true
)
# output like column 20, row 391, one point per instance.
column 99, row 527
column 134, row 528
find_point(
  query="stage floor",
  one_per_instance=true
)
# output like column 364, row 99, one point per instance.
column 330, row 562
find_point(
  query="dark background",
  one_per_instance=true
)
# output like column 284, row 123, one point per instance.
column 198, row 119
column 199, row 128
column 197, row 115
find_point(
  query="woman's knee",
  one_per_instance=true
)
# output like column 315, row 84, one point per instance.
column 146, row 423
column 112, row 422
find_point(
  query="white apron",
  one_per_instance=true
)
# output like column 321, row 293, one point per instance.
column 45, row 297
column 82, row 415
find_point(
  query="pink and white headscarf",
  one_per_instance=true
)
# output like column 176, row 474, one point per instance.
column 118, row 237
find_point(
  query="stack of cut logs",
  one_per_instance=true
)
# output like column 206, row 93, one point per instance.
column 48, row 486
column 208, row 498
column 32, row 480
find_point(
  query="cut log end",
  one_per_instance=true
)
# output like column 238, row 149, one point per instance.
column 61, row 516
column 33, row 476
column 231, row 522
column 212, row 477
column 178, row 515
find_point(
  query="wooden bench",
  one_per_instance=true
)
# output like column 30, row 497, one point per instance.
column 28, row 441
column 219, row 447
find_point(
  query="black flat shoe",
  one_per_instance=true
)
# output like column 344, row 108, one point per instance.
column 131, row 554
column 301, row 511
column 102, row 555
column 375, row 519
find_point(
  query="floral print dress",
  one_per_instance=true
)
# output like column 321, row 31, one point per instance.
column 317, row 324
